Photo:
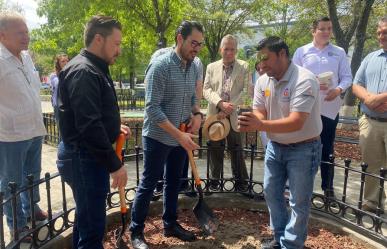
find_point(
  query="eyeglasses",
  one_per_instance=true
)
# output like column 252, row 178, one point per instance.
column 196, row 44
column 25, row 74
column 262, row 57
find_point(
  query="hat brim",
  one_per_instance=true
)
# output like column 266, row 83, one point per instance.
column 211, row 119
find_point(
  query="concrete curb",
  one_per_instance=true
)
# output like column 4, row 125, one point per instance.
column 64, row 241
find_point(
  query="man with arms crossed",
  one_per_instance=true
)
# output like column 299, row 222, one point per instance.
column 370, row 86
column 170, row 100
column 286, row 105
column 89, row 121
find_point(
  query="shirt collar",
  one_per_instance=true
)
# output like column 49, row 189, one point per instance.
column 177, row 59
column 381, row 52
column 4, row 52
column 231, row 66
column 99, row 62
column 287, row 76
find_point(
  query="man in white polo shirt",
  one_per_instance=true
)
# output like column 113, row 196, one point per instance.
column 286, row 105
column 21, row 121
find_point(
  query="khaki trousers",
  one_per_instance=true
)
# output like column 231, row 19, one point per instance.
column 373, row 145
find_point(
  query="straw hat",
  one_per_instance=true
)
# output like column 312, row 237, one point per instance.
column 215, row 129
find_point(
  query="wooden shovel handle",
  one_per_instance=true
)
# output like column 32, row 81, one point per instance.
column 119, row 145
column 183, row 128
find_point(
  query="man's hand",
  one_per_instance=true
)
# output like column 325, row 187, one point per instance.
column 373, row 101
column 194, row 124
column 249, row 122
column 332, row 94
column 226, row 107
column 126, row 130
column 185, row 140
column 382, row 108
column 119, row 177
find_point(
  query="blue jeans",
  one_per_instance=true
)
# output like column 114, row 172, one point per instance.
column 17, row 161
column 328, row 134
column 89, row 182
column 156, row 155
column 298, row 164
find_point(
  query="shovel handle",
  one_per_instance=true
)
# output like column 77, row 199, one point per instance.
column 183, row 128
column 119, row 145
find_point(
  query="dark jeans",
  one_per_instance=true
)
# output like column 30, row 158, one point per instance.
column 184, row 183
column 156, row 156
column 328, row 134
column 89, row 182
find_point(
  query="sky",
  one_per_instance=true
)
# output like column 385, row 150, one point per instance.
column 29, row 7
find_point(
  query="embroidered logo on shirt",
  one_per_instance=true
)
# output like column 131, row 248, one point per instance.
column 286, row 92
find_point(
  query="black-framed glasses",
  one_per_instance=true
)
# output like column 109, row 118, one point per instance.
column 196, row 44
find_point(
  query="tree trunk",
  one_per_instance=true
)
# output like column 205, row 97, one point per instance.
column 360, row 38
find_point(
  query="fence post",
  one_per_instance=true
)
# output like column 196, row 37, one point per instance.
column 13, row 187
column 347, row 163
column 362, row 182
column 2, row 242
column 48, row 189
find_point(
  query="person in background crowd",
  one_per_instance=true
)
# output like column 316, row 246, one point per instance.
column 226, row 81
column 320, row 56
column 89, row 122
column 59, row 62
column 287, row 106
column 170, row 101
column 370, row 86
column 21, row 120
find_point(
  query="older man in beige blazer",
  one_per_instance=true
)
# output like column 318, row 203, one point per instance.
column 224, row 88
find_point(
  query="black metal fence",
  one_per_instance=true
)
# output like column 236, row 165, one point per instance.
column 342, row 208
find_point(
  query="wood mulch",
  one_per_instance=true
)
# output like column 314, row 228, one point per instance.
column 239, row 229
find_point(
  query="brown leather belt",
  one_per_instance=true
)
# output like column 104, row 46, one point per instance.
column 301, row 142
column 377, row 119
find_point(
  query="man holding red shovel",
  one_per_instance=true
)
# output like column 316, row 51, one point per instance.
column 170, row 101
column 89, row 121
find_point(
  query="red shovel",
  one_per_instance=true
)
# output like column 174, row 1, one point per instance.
column 119, row 233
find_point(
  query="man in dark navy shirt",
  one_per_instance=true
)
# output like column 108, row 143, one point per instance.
column 89, row 122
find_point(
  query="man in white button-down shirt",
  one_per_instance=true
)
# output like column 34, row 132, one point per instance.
column 21, row 122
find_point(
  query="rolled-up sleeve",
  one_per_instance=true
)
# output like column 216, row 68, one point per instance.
column 155, row 80
column 360, row 77
column 345, row 75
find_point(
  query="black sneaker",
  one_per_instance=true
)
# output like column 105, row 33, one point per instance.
column 138, row 241
column 179, row 232
column 271, row 244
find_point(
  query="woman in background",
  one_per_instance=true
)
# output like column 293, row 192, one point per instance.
column 60, row 61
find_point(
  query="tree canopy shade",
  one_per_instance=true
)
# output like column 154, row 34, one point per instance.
column 222, row 17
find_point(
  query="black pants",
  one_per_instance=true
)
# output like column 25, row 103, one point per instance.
column 328, row 134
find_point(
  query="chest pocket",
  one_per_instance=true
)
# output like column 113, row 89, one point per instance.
column 284, row 101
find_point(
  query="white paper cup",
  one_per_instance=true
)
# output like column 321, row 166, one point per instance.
column 325, row 78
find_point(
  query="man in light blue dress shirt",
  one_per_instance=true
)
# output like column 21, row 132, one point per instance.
column 321, row 56
column 370, row 86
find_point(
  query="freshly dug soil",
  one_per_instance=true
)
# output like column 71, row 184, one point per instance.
column 239, row 229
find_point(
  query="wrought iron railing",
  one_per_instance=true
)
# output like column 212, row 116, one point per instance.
column 342, row 208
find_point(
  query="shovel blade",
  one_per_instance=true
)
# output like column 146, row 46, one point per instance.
column 120, row 243
column 206, row 218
